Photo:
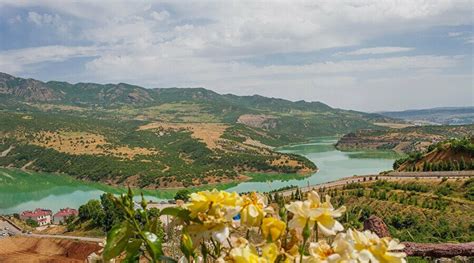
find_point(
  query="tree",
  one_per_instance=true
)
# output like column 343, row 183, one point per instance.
column 31, row 222
column 112, row 215
column 70, row 224
column 92, row 210
column 462, row 164
column 182, row 195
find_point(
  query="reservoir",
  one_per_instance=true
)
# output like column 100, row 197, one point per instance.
column 25, row 190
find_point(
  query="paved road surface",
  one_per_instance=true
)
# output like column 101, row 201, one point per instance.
column 391, row 176
column 13, row 231
column 7, row 229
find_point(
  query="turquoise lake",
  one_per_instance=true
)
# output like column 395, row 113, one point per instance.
column 23, row 190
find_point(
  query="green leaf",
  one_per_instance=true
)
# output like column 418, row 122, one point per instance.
column 133, row 250
column 152, row 226
column 117, row 240
column 153, row 244
column 171, row 211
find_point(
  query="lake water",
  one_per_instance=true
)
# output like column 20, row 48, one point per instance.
column 20, row 190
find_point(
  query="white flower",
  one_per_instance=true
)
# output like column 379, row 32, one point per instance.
column 371, row 248
column 313, row 210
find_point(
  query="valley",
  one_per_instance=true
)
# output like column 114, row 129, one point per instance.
column 55, row 191
column 122, row 134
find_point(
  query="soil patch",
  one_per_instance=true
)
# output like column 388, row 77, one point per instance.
column 30, row 249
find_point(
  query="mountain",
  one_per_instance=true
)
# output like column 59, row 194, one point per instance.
column 404, row 140
column 163, row 137
column 445, row 116
column 449, row 155
column 299, row 119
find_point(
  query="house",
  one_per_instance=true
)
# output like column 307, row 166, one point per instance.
column 41, row 216
column 62, row 214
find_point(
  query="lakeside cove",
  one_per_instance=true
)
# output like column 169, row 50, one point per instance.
column 25, row 190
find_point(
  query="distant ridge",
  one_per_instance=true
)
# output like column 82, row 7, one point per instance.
column 440, row 115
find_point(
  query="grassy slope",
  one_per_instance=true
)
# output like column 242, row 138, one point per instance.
column 449, row 155
column 414, row 210
column 405, row 140
column 177, row 158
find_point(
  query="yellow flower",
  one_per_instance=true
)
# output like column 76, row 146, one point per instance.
column 269, row 253
column 312, row 211
column 212, row 202
column 272, row 228
column 244, row 253
column 210, row 226
column 371, row 248
column 302, row 212
column 252, row 212
column 327, row 225
column 322, row 252
column 215, row 211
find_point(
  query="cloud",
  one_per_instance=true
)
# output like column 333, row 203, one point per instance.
column 160, row 16
column 15, row 20
column 377, row 51
column 15, row 61
column 213, row 43
column 455, row 34
column 41, row 19
column 45, row 20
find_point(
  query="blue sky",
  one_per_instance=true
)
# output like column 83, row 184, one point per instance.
column 363, row 55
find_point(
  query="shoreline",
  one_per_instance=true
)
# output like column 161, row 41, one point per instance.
column 245, row 178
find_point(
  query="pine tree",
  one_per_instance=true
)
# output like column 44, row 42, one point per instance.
column 462, row 165
column 425, row 166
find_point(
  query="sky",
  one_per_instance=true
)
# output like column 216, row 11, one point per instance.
column 369, row 55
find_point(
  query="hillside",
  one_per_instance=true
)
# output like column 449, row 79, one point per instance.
column 450, row 155
column 289, row 121
column 404, row 140
column 138, row 153
column 163, row 137
column 31, row 249
column 445, row 116
column 422, row 210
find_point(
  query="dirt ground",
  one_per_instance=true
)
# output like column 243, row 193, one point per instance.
column 84, row 143
column 209, row 133
column 30, row 249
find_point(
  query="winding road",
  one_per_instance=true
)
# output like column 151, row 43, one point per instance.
column 389, row 177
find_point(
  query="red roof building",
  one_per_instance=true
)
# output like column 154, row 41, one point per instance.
column 62, row 214
column 41, row 216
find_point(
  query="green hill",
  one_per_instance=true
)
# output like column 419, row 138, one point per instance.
column 163, row 137
column 404, row 140
column 449, row 155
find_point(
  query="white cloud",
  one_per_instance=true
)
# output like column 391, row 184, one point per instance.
column 455, row 34
column 160, row 16
column 14, row 20
column 203, row 43
column 15, row 61
column 53, row 20
column 378, row 50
